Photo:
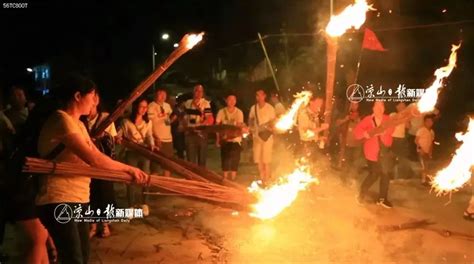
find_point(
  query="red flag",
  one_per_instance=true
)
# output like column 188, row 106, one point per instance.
column 371, row 42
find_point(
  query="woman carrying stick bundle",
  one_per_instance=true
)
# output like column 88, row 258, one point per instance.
column 138, row 129
column 102, row 192
column 63, row 128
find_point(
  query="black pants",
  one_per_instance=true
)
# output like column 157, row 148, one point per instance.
column 102, row 194
column 230, row 156
column 375, row 171
column 179, row 144
column 196, row 148
column 412, row 153
column 71, row 238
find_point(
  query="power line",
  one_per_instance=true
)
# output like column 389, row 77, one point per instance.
column 376, row 30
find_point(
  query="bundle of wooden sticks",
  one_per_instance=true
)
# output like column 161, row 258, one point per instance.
column 197, row 189
column 184, row 168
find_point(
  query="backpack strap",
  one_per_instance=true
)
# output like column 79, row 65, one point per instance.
column 256, row 115
column 55, row 152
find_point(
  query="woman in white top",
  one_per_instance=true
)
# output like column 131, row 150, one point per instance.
column 138, row 129
column 65, row 134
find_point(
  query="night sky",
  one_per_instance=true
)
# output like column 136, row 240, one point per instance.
column 111, row 41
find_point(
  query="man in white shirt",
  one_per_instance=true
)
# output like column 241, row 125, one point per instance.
column 424, row 142
column 260, row 116
column 159, row 113
column 197, row 113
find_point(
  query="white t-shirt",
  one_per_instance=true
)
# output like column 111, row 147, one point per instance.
column 160, row 117
column 62, row 188
column 399, row 131
column 140, row 134
column 425, row 139
column 193, row 119
column 234, row 118
column 265, row 114
column 109, row 130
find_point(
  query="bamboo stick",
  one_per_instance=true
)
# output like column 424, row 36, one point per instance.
column 410, row 112
column 184, row 46
column 202, row 190
column 182, row 167
column 331, row 57
column 165, row 162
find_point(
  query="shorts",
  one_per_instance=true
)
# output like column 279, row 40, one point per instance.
column 20, row 203
column 21, row 210
column 262, row 150
column 230, row 156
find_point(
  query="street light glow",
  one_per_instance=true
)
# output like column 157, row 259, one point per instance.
column 29, row 69
column 175, row 45
column 165, row 36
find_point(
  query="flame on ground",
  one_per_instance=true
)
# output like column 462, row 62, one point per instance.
column 428, row 101
column 193, row 39
column 273, row 200
column 286, row 121
column 353, row 16
column 458, row 171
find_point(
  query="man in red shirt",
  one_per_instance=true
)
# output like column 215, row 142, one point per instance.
column 376, row 152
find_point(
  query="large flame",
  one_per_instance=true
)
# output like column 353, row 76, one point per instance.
column 458, row 171
column 428, row 101
column 275, row 199
column 286, row 121
column 353, row 16
column 193, row 39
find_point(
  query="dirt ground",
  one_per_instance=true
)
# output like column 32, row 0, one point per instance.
column 324, row 225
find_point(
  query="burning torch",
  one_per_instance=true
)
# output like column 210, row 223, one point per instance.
column 353, row 16
column 186, row 43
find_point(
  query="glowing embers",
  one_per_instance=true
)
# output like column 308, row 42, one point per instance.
column 458, row 172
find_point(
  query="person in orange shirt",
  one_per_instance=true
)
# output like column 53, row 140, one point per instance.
column 376, row 152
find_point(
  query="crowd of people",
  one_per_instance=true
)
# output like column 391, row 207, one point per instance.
column 176, row 130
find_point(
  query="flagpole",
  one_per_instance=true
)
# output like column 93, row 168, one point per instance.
column 358, row 63
column 268, row 61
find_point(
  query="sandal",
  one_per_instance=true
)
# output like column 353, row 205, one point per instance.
column 468, row 216
column 105, row 231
